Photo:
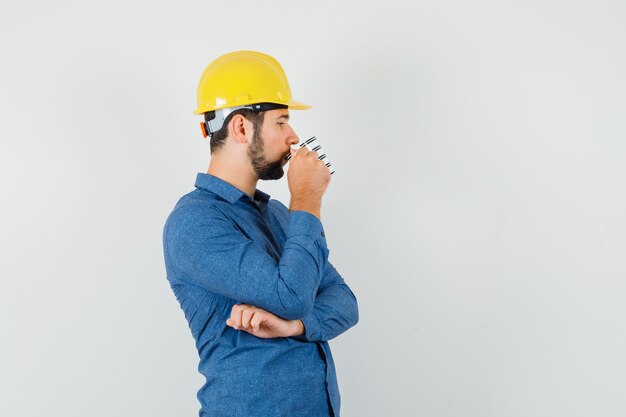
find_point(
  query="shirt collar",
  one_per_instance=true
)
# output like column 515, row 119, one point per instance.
column 225, row 190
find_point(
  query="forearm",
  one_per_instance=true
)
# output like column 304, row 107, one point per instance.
column 327, row 321
column 335, row 310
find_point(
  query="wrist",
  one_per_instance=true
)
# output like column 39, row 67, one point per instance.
column 312, row 206
column 298, row 328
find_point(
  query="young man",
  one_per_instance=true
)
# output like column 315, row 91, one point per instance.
column 252, row 276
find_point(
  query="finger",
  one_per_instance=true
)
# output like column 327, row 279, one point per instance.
column 322, row 162
column 300, row 152
column 235, row 314
column 312, row 154
column 246, row 315
column 256, row 320
column 232, row 320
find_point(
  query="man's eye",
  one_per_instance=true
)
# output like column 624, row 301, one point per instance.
column 280, row 124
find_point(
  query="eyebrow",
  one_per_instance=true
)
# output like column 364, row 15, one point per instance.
column 283, row 116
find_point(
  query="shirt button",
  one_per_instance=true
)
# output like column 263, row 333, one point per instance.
column 323, row 235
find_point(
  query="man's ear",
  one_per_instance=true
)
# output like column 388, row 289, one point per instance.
column 238, row 127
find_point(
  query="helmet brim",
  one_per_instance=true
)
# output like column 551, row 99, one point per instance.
column 296, row 105
column 291, row 104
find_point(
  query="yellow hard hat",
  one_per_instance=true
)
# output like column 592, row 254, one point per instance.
column 242, row 78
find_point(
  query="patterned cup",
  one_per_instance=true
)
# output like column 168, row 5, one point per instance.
column 314, row 145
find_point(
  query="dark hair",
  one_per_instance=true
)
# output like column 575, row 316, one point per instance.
column 219, row 138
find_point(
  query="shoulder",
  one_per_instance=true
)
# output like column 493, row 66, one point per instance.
column 196, row 208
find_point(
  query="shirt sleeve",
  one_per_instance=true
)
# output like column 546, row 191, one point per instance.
column 334, row 311
column 209, row 250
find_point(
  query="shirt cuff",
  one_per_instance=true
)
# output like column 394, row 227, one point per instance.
column 304, row 223
column 311, row 328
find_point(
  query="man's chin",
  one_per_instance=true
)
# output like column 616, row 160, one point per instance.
column 276, row 172
column 277, row 175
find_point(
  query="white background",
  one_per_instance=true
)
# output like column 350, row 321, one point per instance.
column 477, row 212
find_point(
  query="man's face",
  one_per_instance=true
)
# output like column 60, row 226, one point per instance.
column 271, row 144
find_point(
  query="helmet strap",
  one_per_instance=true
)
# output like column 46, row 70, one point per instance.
column 213, row 125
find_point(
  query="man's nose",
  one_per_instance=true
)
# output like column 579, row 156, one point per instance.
column 293, row 138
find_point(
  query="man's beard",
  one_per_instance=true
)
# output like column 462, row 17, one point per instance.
column 264, row 169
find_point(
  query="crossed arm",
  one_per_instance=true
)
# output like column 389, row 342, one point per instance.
column 301, row 295
column 334, row 311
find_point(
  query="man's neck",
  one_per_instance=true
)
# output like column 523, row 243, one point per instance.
column 242, row 178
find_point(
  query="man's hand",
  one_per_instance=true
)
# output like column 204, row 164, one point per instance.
column 308, row 178
column 261, row 323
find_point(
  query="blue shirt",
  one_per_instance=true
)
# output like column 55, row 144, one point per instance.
column 223, row 248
